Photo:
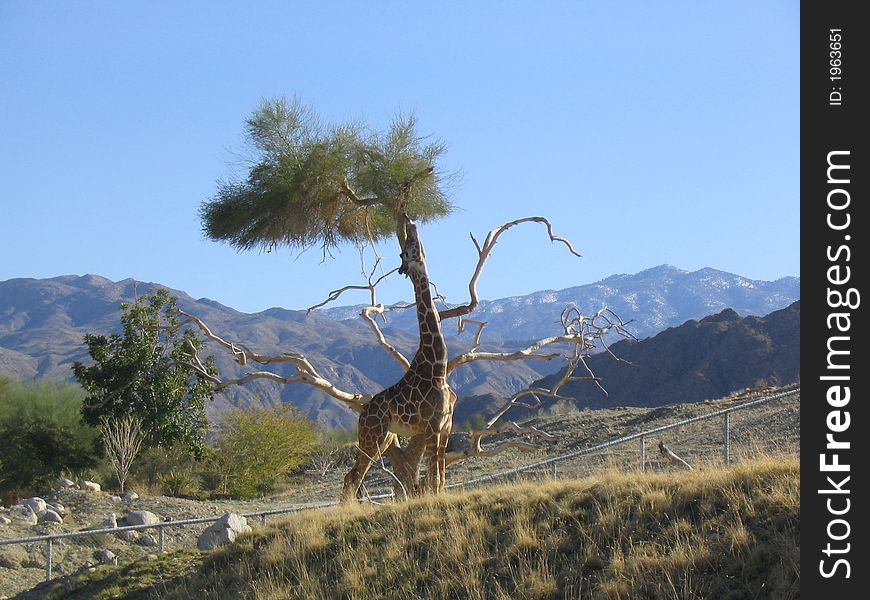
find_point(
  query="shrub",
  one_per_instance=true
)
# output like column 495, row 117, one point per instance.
column 256, row 449
column 36, row 451
column 41, row 434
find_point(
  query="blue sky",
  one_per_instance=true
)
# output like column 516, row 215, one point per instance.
column 648, row 133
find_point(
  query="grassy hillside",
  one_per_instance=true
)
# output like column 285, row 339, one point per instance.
column 712, row 533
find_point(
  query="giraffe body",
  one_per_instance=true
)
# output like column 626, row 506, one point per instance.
column 420, row 404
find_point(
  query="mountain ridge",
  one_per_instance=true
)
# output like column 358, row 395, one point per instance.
column 43, row 321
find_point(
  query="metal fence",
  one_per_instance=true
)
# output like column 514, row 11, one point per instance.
column 641, row 437
column 641, row 456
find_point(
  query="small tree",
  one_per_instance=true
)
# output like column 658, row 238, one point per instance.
column 148, row 372
column 122, row 437
column 256, row 448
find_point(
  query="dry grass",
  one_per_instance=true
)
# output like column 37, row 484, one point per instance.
column 712, row 533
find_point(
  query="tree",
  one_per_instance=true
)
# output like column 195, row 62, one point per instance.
column 122, row 438
column 41, row 434
column 37, row 450
column 313, row 184
column 310, row 184
column 255, row 449
column 150, row 372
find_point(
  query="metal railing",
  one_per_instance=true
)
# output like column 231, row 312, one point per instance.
column 726, row 433
column 160, row 526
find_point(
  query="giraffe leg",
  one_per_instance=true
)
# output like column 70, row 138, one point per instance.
column 442, row 456
column 433, row 473
column 406, row 465
column 370, row 448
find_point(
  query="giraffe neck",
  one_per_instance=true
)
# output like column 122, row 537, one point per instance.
column 433, row 349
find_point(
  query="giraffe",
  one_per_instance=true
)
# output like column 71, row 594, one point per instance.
column 420, row 404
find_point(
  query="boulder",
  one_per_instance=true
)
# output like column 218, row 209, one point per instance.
column 141, row 517
column 222, row 531
column 130, row 496
column 36, row 504
column 4, row 520
column 56, row 507
column 89, row 486
column 23, row 513
column 129, row 536
column 149, row 540
column 48, row 516
column 65, row 484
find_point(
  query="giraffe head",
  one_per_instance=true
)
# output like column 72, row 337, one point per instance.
column 413, row 257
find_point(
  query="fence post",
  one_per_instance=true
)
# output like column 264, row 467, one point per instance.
column 643, row 453
column 726, row 435
column 160, row 538
column 48, row 559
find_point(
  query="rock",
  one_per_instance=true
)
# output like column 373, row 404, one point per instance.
column 106, row 557
column 35, row 504
column 130, row 496
column 115, row 498
column 4, row 520
column 23, row 513
column 129, row 536
column 149, row 540
column 89, row 486
column 48, row 516
column 109, row 522
column 141, row 517
column 56, row 507
column 222, row 531
column 65, row 484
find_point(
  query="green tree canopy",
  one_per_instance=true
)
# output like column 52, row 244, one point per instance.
column 42, row 435
column 146, row 372
column 314, row 184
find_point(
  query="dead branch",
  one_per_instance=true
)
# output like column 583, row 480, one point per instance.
column 668, row 454
column 371, row 286
column 305, row 371
column 582, row 333
column 475, row 343
column 366, row 314
column 483, row 253
column 475, row 448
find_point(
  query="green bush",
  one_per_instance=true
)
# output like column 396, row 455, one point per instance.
column 42, row 435
column 257, row 449
column 36, row 451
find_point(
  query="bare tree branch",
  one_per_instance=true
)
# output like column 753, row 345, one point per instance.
column 475, row 448
column 483, row 253
column 305, row 371
column 582, row 333
column 667, row 453
column 366, row 314
column 370, row 286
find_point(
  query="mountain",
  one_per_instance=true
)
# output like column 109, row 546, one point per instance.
column 655, row 299
column 42, row 322
column 698, row 360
